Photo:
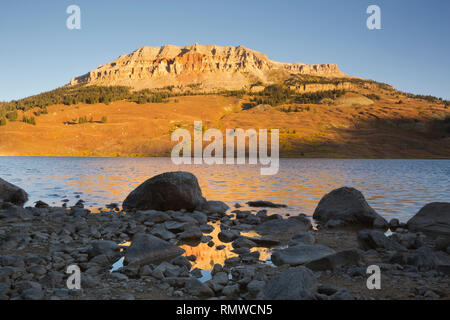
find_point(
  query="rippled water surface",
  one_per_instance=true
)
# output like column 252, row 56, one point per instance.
column 393, row 187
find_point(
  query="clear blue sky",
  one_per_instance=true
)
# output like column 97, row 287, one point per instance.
column 411, row 52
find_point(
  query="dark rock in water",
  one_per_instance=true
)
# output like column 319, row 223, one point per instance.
column 285, row 226
column 41, row 204
column 293, row 284
column 348, row 257
column 349, row 206
column 374, row 239
column 265, row 204
column 80, row 204
column 11, row 193
column 265, row 242
column 191, row 233
column 112, row 206
column 394, row 224
column 213, row 206
column 148, row 249
column 300, row 254
column 228, row 235
column 167, row 191
column 242, row 242
column 434, row 218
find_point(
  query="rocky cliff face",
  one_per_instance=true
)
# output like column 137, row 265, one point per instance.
column 205, row 67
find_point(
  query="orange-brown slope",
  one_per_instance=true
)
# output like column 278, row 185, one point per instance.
column 385, row 129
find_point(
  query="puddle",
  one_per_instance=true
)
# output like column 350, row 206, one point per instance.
column 119, row 263
column 208, row 256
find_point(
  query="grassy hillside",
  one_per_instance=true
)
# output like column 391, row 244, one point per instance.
column 366, row 119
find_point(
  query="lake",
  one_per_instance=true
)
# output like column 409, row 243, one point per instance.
column 395, row 188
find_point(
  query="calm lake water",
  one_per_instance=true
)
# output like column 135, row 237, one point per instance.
column 393, row 187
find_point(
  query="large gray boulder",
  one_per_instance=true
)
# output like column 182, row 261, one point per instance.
column 434, row 218
column 293, row 284
column 148, row 249
column 300, row 254
column 348, row 206
column 167, row 191
column 12, row 193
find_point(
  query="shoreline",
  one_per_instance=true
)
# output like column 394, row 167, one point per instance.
column 207, row 250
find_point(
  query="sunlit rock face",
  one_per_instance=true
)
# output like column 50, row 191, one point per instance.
column 207, row 67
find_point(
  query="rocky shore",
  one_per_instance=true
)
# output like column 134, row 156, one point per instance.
column 137, row 252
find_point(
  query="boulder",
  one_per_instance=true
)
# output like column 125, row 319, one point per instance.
column 300, row 254
column 349, row 206
column 293, row 284
column 192, row 233
column 148, row 249
column 434, row 218
column 167, row 191
column 243, row 242
column 212, row 206
column 11, row 193
column 228, row 235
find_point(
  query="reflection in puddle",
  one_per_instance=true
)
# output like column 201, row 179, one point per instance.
column 119, row 263
column 208, row 256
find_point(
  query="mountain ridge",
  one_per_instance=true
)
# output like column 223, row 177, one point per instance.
column 210, row 67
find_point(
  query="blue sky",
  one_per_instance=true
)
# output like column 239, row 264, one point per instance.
column 411, row 52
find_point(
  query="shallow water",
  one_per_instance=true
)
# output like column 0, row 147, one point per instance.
column 393, row 187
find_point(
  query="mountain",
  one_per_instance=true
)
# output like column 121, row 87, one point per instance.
column 207, row 67
column 131, row 106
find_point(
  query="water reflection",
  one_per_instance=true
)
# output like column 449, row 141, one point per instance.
column 208, row 256
column 393, row 187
